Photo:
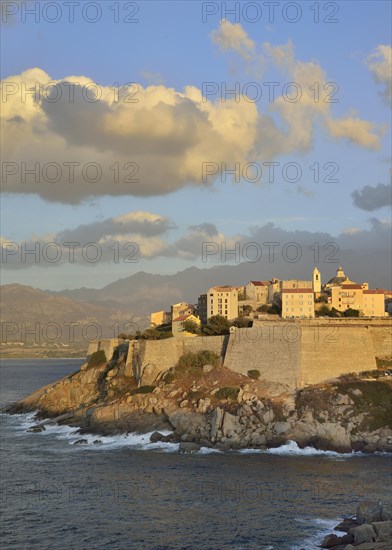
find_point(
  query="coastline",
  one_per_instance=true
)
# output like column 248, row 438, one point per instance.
column 217, row 409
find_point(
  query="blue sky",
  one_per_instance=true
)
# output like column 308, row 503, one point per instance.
column 172, row 47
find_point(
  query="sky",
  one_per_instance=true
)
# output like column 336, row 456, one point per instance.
column 152, row 127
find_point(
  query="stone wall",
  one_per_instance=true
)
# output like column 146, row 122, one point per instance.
column 327, row 354
column 294, row 353
column 273, row 350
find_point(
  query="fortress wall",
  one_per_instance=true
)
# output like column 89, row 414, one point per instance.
column 159, row 356
column 328, row 354
column 382, row 340
column 275, row 353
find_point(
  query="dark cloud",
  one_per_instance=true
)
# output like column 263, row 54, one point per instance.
column 371, row 198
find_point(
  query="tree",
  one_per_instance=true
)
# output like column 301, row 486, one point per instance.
column 191, row 326
column 216, row 325
column 247, row 309
column 275, row 310
column 241, row 322
column 263, row 308
column 323, row 311
column 350, row 312
column 323, row 299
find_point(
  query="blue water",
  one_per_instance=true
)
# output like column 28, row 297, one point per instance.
column 129, row 494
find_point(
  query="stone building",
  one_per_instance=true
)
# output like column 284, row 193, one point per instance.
column 178, row 326
column 297, row 302
column 257, row 291
column 222, row 300
column 159, row 318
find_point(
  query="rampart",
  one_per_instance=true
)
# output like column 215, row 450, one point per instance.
column 294, row 353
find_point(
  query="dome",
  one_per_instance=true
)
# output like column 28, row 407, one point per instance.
column 339, row 278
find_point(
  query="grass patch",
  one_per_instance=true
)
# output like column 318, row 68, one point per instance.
column 97, row 358
column 376, row 401
column 254, row 373
column 228, row 393
column 384, row 363
column 143, row 389
column 191, row 364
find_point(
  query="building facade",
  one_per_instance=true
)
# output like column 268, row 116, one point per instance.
column 257, row 291
column 222, row 300
column 297, row 302
column 178, row 326
column 370, row 303
column 159, row 318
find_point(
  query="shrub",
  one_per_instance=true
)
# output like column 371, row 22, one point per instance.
column 97, row 358
column 254, row 373
column 227, row 393
column 217, row 325
column 242, row 322
column 143, row 389
column 263, row 308
column 194, row 362
column 350, row 312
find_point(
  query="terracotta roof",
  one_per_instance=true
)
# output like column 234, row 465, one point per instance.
column 297, row 290
column 375, row 291
column 260, row 283
column 181, row 318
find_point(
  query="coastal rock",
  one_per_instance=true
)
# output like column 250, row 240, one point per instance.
column 36, row 429
column 216, row 423
column 368, row 511
column 230, row 425
column 331, row 541
column 363, row 533
column 81, row 442
column 189, row 447
column 383, row 530
column 156, row 436
column 97, row 442
column 386, row 514
column 282, row 428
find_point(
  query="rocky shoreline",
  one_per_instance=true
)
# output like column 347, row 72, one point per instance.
column 215, row 407
column 369, row 529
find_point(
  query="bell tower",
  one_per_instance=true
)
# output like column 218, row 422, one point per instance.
column 316, row 280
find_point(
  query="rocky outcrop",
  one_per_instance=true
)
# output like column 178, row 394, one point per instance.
column 363, row 532
column 217, row 407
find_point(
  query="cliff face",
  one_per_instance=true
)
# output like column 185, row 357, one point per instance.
column 213, row 406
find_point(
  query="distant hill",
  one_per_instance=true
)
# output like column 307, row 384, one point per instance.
column 37, row 316
column 133, row 298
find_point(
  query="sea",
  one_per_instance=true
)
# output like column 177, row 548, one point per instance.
column 127, row 493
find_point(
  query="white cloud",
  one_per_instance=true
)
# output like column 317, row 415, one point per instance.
column 380, row 64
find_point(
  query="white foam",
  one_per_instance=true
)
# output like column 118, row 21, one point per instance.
column 292, row 448
column 324, row 527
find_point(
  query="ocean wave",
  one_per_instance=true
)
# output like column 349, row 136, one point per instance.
column 321, row 528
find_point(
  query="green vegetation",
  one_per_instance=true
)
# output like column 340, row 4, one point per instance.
column 274, row 310
column 254, row 373
column 97, row 358
column 217, row 325
column 192, row 364
column 350, row 312
column 325, row 311
column 384, row 362
column 227, row 393
column 191, row 326
column 263, row 308
column 242, row 322
column 160, row 332
column 323, row 299
column 375, row 401
column 143, row 389
column 247, row 309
